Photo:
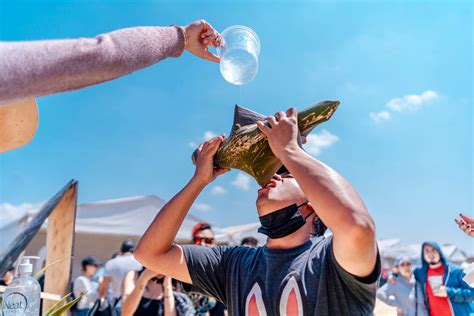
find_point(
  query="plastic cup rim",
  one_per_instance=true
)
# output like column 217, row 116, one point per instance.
column 246, row 28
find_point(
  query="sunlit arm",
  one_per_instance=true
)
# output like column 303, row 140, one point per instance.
column 340, row 208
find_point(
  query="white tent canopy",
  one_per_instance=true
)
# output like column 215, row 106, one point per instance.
column 126, row 217
column 100, row 226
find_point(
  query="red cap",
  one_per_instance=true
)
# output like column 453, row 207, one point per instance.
column 200, row 226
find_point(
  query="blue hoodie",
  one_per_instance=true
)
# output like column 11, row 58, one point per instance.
column 460, row 295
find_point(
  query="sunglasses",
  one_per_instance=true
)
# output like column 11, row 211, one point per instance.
column 199, row 240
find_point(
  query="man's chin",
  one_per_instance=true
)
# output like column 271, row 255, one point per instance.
column 261, row 200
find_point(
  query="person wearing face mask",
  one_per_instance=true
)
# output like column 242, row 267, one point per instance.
column 403, row 293
column 443, row 289
column 294, row 273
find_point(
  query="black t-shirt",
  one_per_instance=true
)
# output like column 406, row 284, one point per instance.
column 218, row 310
column 306, row 280
column 151, row 307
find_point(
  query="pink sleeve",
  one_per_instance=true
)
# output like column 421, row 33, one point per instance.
column 36, row 68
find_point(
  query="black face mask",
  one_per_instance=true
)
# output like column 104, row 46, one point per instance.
column 282, row 223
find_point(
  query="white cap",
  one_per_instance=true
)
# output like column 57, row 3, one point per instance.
column 25, row 266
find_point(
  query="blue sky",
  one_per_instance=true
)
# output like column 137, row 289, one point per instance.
column 402, row 135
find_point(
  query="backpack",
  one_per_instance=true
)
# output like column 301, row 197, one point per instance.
column 104, row 308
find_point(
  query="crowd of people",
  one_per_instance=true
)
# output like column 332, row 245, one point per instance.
column 123, row 285
column 436, row 288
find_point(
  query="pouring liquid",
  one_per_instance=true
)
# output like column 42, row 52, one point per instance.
column 239, row 66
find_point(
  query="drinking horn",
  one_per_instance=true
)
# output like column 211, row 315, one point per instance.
column 248, row 150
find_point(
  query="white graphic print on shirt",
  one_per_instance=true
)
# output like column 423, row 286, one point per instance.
column 291, row 302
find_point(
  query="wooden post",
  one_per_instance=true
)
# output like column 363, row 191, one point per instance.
column 59, row 245
column 22, row 239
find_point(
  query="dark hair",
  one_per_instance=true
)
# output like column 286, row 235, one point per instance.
column 127, row 246
column 177, row 285
column 249, row 240
column 90, row 261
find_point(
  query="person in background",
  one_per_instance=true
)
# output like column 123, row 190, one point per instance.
column 249, row 242
column 203, row 235
column 206, row 305
column 466, row 224
column 8, row 276
column 147, row 293
column 84, row 284
column 444, row 292
column 115, row 270
column 404, row 293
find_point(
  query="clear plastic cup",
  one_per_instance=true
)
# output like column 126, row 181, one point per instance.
column 239, row 54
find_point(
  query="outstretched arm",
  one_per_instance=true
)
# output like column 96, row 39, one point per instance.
column 36, row 68
column 333, row 197
column 156, row 249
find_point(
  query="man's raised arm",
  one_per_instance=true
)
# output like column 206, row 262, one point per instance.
column 332, row 197
column 156, row 249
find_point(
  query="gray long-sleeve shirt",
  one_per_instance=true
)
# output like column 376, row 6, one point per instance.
column 404, row 294
column 36, row 68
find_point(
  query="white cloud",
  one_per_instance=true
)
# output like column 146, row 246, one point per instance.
column 217, row 190
column 317, row 142
column 209, row 134
column 381, row 116
column 242, row 182
column 412, row 102
column 203, row 207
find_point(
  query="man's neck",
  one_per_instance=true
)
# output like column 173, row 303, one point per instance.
column 286, row 242
column 436, row 266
